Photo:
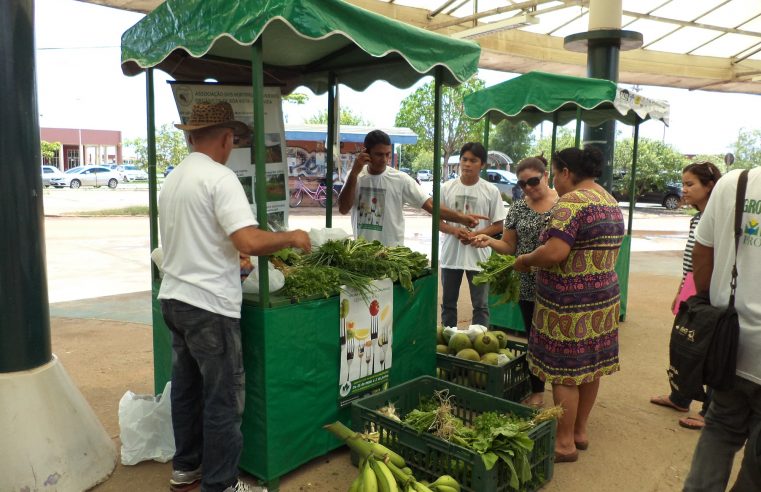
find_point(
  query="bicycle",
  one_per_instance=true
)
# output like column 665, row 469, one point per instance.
column 319, row 195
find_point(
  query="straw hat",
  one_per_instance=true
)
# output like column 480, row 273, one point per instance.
column 206, row 115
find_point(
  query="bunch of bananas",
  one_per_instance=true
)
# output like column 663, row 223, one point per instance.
column 382, row 475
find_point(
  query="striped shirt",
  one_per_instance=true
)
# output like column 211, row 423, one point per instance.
column 687, row 258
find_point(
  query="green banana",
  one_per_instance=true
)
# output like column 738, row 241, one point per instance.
column 369, row 481
column 381, row 451
column 447, row 481
column 356, row 485
column 421, row 487
column 444, row 488
column 386, row 481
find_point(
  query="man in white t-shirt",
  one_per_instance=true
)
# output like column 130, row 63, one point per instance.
column 376, row 194
column 734, row 417
column 205, row 221
column 471, row 195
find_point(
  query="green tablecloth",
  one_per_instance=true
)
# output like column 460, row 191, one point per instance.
column 291, row 354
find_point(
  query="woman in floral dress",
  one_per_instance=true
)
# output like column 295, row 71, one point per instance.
column 574, row 336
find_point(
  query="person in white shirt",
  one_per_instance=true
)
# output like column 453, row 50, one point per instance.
column 376, row 194
column 470, row 195
column 734, row 418
column 205, row 221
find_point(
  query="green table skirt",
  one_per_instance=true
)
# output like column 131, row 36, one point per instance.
column 291, row 355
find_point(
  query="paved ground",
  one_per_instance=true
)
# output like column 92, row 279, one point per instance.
column 98, row 286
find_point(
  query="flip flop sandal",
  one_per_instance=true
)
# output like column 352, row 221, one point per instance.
column 665, row 402
column 582, row 445
column 692, row 423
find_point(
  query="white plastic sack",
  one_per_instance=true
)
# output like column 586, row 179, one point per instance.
column 145, row 427
column 318, row 237
column 251, row 284
column 157, row 255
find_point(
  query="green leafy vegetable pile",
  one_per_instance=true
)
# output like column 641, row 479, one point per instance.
column 503, row 281
column 354, row 263
column 494, row 436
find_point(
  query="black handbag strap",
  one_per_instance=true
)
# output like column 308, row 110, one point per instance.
column 742, row 184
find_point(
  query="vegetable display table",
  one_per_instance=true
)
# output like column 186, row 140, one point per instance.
column 291, row 355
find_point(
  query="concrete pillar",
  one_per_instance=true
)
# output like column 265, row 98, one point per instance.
column 51, row 439
column 603, row 43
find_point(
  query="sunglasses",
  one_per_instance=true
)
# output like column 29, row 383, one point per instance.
column 530, row 182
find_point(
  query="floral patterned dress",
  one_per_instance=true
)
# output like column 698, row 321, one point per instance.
column 574, row 336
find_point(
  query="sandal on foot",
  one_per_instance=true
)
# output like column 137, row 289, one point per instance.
column 664, row 401
column 566, row 458
column 694, row 423
column 581, row 445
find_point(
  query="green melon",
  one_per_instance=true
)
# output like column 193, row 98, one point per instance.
column 459, row 341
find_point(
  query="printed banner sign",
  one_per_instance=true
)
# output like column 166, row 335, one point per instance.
column 366, row 334
column 241, row 100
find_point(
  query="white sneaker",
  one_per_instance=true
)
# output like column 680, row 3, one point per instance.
column 242, row 486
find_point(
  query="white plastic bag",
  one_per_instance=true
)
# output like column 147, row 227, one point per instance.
column 318, row 237
column 145, row 427
column 251, row 284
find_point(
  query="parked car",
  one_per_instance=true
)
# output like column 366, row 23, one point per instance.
column 669, row 196
column 425, row 175
column 168, row 170
column 50, row 172
column 505, row 181
column 87, row 176
column 132, row 173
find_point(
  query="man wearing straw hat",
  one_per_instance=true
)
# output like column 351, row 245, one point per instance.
column 205, row 221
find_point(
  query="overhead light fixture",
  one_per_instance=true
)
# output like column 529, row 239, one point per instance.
column 523, row 20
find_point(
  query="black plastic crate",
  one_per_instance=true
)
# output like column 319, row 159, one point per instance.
column 430, row 456
column 509, row 381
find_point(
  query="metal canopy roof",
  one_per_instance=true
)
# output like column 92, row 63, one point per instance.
column 693, row 44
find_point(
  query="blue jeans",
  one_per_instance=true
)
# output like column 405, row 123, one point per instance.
column 479, row 297
column 731, row 419
column 207, row 392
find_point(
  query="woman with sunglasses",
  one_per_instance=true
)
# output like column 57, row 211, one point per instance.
column 525, row 221
column 574, row 336
column 698, row 180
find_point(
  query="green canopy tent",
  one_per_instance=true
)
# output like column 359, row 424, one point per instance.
column 536, row 97
column 291, row 43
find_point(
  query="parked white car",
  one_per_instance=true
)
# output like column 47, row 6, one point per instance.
column 130, row 172
column 86, row 176
column 50, row 172
column 503, row 180
column 424, row 175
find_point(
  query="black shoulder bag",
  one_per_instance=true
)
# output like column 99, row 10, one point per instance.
column 704, row 339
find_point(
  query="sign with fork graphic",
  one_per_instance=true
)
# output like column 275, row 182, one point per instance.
column 365, row 338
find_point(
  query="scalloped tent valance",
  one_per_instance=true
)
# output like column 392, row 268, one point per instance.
column 303, row 41
column 537, row 96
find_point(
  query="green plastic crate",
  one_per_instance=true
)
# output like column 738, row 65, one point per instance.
column 509, row 382
column 430, row 456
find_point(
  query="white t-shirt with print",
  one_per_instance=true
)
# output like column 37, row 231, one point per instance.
column 201, row 204
column 377, row 214
column 715, row 230
column 481, row 198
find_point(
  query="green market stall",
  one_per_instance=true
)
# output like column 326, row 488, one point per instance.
column 536, row 97
column 291, row 350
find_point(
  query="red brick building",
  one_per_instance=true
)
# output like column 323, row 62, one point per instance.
column 80, row 146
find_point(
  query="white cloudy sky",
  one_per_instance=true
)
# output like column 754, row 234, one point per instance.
column 80, row 84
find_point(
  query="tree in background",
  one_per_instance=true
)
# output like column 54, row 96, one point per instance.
column 565, row 138
column 171, row 148
column 514, row 139
column 348, row 117
column 416, row 113
column 48, row 150
column 747, row 149
column 296, row 98
column 658, row 164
